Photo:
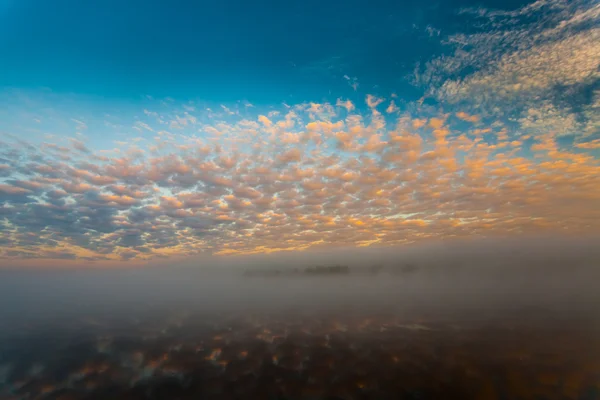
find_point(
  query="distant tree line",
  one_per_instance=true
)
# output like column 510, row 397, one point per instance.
column 336, row 269
column 401, row 269
column 318, row 270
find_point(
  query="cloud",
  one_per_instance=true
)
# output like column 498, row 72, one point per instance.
column 392, row 108
column 594, row 144
column 120, row 200
column 10, row 190
column 290, row 156
column 542, row 57
column 347, row 104
column 76, row 187
column 325, row 180
column 373, row 101
column 352, row 81
column 265, row 121
column 466, row 117
column 418, row 123
column 436, row 123
column 79, row 145
column 431, row 31
column 80, row 124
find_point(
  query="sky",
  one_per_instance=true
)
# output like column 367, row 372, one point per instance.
column 161, row 132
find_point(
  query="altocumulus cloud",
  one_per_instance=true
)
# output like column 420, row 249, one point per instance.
column 353, row 178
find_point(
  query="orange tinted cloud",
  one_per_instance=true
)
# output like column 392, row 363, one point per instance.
column 466, row 117
column 351, row 180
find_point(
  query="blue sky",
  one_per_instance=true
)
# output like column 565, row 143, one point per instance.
column 263, row 51
column 145, row 130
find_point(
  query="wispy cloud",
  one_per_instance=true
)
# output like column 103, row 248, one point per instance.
column 539, row 59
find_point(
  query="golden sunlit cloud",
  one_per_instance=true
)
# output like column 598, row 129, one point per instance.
column 354, row 180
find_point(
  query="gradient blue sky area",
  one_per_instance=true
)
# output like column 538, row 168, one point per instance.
column 262, row 51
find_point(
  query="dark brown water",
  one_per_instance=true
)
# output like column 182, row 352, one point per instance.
column 294, row 354
column 158, row 335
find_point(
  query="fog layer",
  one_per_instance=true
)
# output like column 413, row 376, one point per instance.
column 476, row 277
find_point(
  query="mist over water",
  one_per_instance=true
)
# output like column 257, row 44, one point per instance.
column 458, row 320
column 469, row 277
